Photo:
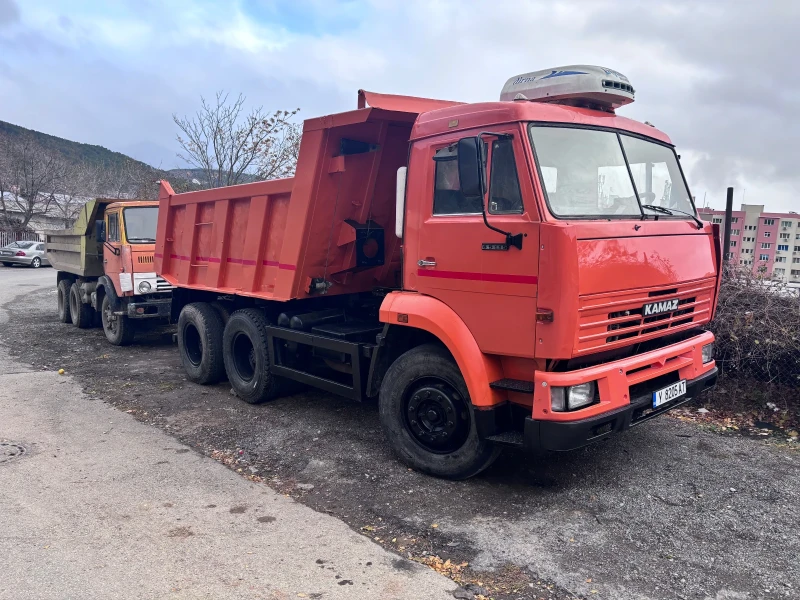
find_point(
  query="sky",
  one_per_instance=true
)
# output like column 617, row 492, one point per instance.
column 720, row 77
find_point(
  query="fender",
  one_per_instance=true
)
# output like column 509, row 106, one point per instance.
column 411, row 309
column 108, row 289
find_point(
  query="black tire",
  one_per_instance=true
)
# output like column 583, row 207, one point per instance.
column 422, row 390
column 8, row 264
column 119, row 329
column 36, row 262
column 247, row 357
column 82, row 314
column 223, row 310
column 63, row 301
column 200, row 343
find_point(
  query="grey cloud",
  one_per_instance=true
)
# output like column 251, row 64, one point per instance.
column 743, row 113
column 9, row 12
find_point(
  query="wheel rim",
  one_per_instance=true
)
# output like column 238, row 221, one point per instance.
column 72, row 303
column 193, row 344
column 60, row 301
column 36, row 262
column 244, row 357
column 109, row 319
column 436, row 416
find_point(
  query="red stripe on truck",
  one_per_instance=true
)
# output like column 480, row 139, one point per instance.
column 494, row 277
column 236, row 261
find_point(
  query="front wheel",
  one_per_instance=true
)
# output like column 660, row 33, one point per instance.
column 119, row 329
column 426, row 415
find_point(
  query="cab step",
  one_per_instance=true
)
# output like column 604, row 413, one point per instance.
column 513, row 439
column 513, row 385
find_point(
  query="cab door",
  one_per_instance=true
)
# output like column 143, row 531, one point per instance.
column 453, row 256
column 112, row 254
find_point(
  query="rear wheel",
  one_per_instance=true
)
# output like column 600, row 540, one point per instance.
column 119, row 329
column 82, row 314
column 36, row 262
column 426, row 414
column 223, row 309
column 200, row 343
column 8, row 264
column 63, row 301
column 246, row 355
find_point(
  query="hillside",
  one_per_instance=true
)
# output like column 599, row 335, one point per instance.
column 74, row 152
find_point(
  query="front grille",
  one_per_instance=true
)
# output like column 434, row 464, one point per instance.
column 618, row 318
column 146, row 259
column 162, row 285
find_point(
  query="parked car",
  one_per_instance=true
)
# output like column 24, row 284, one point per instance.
column 30, row 254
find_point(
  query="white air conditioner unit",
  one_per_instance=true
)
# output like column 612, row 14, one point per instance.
column 576, row 85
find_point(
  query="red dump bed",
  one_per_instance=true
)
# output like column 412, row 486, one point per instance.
column 332, row 222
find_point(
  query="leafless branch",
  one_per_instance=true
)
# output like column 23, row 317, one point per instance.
column 227, row 144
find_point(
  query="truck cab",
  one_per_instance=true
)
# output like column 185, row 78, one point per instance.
column 565, row 239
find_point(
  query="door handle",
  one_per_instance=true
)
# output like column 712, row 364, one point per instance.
column 426, row 263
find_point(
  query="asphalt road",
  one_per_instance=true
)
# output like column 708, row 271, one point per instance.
column 666, row 510
column 95, row 504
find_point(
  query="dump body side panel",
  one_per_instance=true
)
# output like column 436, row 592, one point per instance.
column 276, row 240
column 227, row 240
column 76, row 250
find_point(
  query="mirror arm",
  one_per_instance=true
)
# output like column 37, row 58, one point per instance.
column 511, row 238
column 114, row 251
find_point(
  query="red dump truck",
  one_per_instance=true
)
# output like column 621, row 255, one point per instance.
column 529, row 272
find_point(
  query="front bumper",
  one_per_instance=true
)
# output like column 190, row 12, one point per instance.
column 150, row 309
column 569, row 435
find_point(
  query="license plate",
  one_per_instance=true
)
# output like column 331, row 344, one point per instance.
column 669, row 393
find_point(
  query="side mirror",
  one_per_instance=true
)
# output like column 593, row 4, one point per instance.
column 470, row 167
column 100, row 231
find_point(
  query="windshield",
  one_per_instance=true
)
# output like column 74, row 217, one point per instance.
column 585, row 174
column 140, row 224
column 656, row 174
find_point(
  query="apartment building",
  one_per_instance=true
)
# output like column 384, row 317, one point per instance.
column 769, row 243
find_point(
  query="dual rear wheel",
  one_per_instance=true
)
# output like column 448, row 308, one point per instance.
column 214, row 344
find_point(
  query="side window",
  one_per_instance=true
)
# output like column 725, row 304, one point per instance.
column 113, row 227
column 447, row 197
column 40, row 247
column 504, row 194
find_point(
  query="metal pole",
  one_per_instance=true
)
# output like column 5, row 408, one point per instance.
column 726, row 244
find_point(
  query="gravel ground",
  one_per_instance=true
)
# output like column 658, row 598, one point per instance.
column 667, row 510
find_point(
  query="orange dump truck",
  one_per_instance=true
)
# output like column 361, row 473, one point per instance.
column 529, row 272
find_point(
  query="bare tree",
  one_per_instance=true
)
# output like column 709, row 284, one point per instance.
column 227, row 145
column 31, row 175
column 81, row 182
column 129, row 180
column 279, row 155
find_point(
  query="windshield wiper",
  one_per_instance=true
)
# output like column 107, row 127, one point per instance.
column 671, row 212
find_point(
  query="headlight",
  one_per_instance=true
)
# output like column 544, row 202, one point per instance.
column 144, row 287
column 708, row 353
column 573, row 397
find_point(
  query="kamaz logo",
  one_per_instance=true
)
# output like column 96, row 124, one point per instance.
column 657, row 308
